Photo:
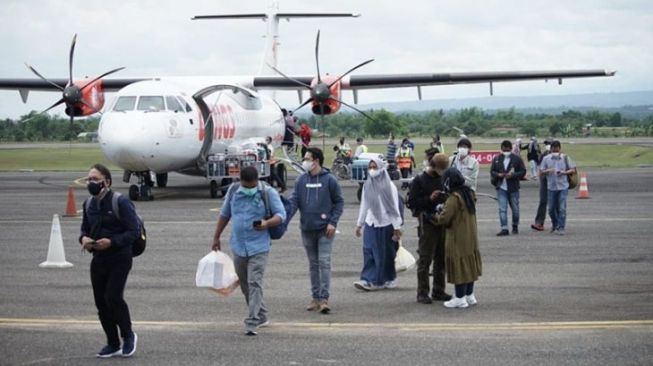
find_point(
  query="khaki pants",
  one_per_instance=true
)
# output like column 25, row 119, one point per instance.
column 431, row 250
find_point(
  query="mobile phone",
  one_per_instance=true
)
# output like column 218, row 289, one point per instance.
column 256, row 223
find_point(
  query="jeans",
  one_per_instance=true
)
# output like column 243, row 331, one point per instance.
column 541, row 207
column 430, row 250
column 250, row 272
column 557, row 201
column 504, row 198
column 318, row 251
column 108, row 277
column 379, row 252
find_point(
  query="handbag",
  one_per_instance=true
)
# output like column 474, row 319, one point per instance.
column 404, row 260
column 572, row 178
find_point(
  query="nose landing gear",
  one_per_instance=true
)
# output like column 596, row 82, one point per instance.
column 142, row 191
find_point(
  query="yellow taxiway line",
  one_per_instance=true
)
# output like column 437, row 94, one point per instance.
column 488, row 327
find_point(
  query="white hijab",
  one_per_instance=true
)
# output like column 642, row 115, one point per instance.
column 378, row 192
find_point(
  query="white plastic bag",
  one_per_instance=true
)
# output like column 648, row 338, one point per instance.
column 217, row 272
column 404, row 260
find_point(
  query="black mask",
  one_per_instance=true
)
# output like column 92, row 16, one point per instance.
column 94, row 188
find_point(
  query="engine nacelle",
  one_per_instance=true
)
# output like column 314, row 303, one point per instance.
column 93, row 95
column 331, row 105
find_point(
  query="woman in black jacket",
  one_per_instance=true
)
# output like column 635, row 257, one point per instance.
column 109, row 236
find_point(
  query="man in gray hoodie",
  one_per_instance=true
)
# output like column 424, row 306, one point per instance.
column 319, row 199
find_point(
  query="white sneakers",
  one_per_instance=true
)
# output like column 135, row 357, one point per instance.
column 461, row 302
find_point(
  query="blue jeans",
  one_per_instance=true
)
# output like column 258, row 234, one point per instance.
column 379, row 252
column 504, row 198
column 318, row 250
column 557, row 201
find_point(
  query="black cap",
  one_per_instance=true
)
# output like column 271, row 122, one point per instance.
column 464, row 141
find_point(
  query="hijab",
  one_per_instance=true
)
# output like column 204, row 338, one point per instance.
column 453, row 181
column 378, row 192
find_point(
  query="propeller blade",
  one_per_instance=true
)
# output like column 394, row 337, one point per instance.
column 90, row 106
column 303, row 104
column 322, row 125
column 100, row 77
column 70, row 60
column 317, row 59
column 288, row 77
column 350, row 71
column 60, row 101
column 354, row 108
column 43, row 78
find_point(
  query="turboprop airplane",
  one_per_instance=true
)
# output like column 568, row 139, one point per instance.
column 210, row 125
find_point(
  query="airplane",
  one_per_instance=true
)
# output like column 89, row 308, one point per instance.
column 193, row 125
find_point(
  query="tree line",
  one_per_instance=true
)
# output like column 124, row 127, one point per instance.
column 35, row 127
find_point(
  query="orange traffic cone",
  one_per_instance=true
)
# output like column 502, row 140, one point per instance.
column 71, row 210
column 583, row 192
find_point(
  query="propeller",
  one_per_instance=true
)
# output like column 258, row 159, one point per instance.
column 72, row 95
column 320, row 93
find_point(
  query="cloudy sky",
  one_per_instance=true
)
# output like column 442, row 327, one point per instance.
column 157, row 38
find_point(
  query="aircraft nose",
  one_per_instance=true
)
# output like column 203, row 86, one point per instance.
column 124, row 141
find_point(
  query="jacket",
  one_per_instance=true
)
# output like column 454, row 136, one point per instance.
column 319, row 200
column 462, row 257
column 497, row 167
column 122, row 233
column 468, row 167
column 419, row 195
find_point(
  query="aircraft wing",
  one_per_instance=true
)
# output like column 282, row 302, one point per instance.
column 34, row 84
column 382, row 81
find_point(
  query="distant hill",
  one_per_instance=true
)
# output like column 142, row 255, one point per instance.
column 635, row 104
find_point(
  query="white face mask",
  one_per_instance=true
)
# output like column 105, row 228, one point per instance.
column 374, row 172
column 547, row 147
column 555, row 154
column 308, row 165
column 463, row 151
column 506, row 153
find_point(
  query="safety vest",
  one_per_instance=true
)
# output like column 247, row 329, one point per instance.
column 404, row 160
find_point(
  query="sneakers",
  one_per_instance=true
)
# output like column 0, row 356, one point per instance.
column 390, row 284
column 324, row 307
column 537, row 227
column 109, row 351
column 440, row 296
column 264, row 323
column 503, row 232
column 129, row 345
column 560, row 231
column 314, row 305
column 515, row 230
column 366, row 286
column 456, row 302
column 251, row 332
column 424, row 299
column 471, row 299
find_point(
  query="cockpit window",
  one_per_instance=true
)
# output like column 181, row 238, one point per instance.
column 125, row 104
column 173, row 104
column 185, row 103
column 151, row 103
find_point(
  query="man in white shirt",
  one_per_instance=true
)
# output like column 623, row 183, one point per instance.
column 466, row 164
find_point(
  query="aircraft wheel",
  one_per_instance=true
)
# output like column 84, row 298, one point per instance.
column 282, row 173
column 214, row 189
column 133, row 192
column 162, row 180
column 148, row 179
column 359, row 192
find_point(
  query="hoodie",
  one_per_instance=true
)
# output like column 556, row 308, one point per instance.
column 319, row 200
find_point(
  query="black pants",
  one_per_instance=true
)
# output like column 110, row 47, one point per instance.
column 431, row 250
column 464, row 289
column 541, row 208
column 108, row 276
column 275, row 177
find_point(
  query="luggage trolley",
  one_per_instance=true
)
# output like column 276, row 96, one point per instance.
column 224, row 169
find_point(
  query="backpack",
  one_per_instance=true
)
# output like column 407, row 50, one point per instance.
column 138, row 246
column 572, row 178
column 277, row 231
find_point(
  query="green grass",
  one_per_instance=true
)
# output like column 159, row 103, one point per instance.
column 64, row 158
column 52, row 159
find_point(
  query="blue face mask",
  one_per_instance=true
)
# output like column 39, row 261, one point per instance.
column 249, row 192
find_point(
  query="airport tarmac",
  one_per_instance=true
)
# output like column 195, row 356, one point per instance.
column 580, row 299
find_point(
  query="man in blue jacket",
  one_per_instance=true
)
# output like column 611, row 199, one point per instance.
column 318, row 197
column 506, row 172
column 250, row 239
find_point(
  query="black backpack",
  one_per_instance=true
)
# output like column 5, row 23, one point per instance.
column 138, row 246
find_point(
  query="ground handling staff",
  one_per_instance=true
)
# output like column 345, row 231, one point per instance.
column 110, row 237
column 424, row 195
